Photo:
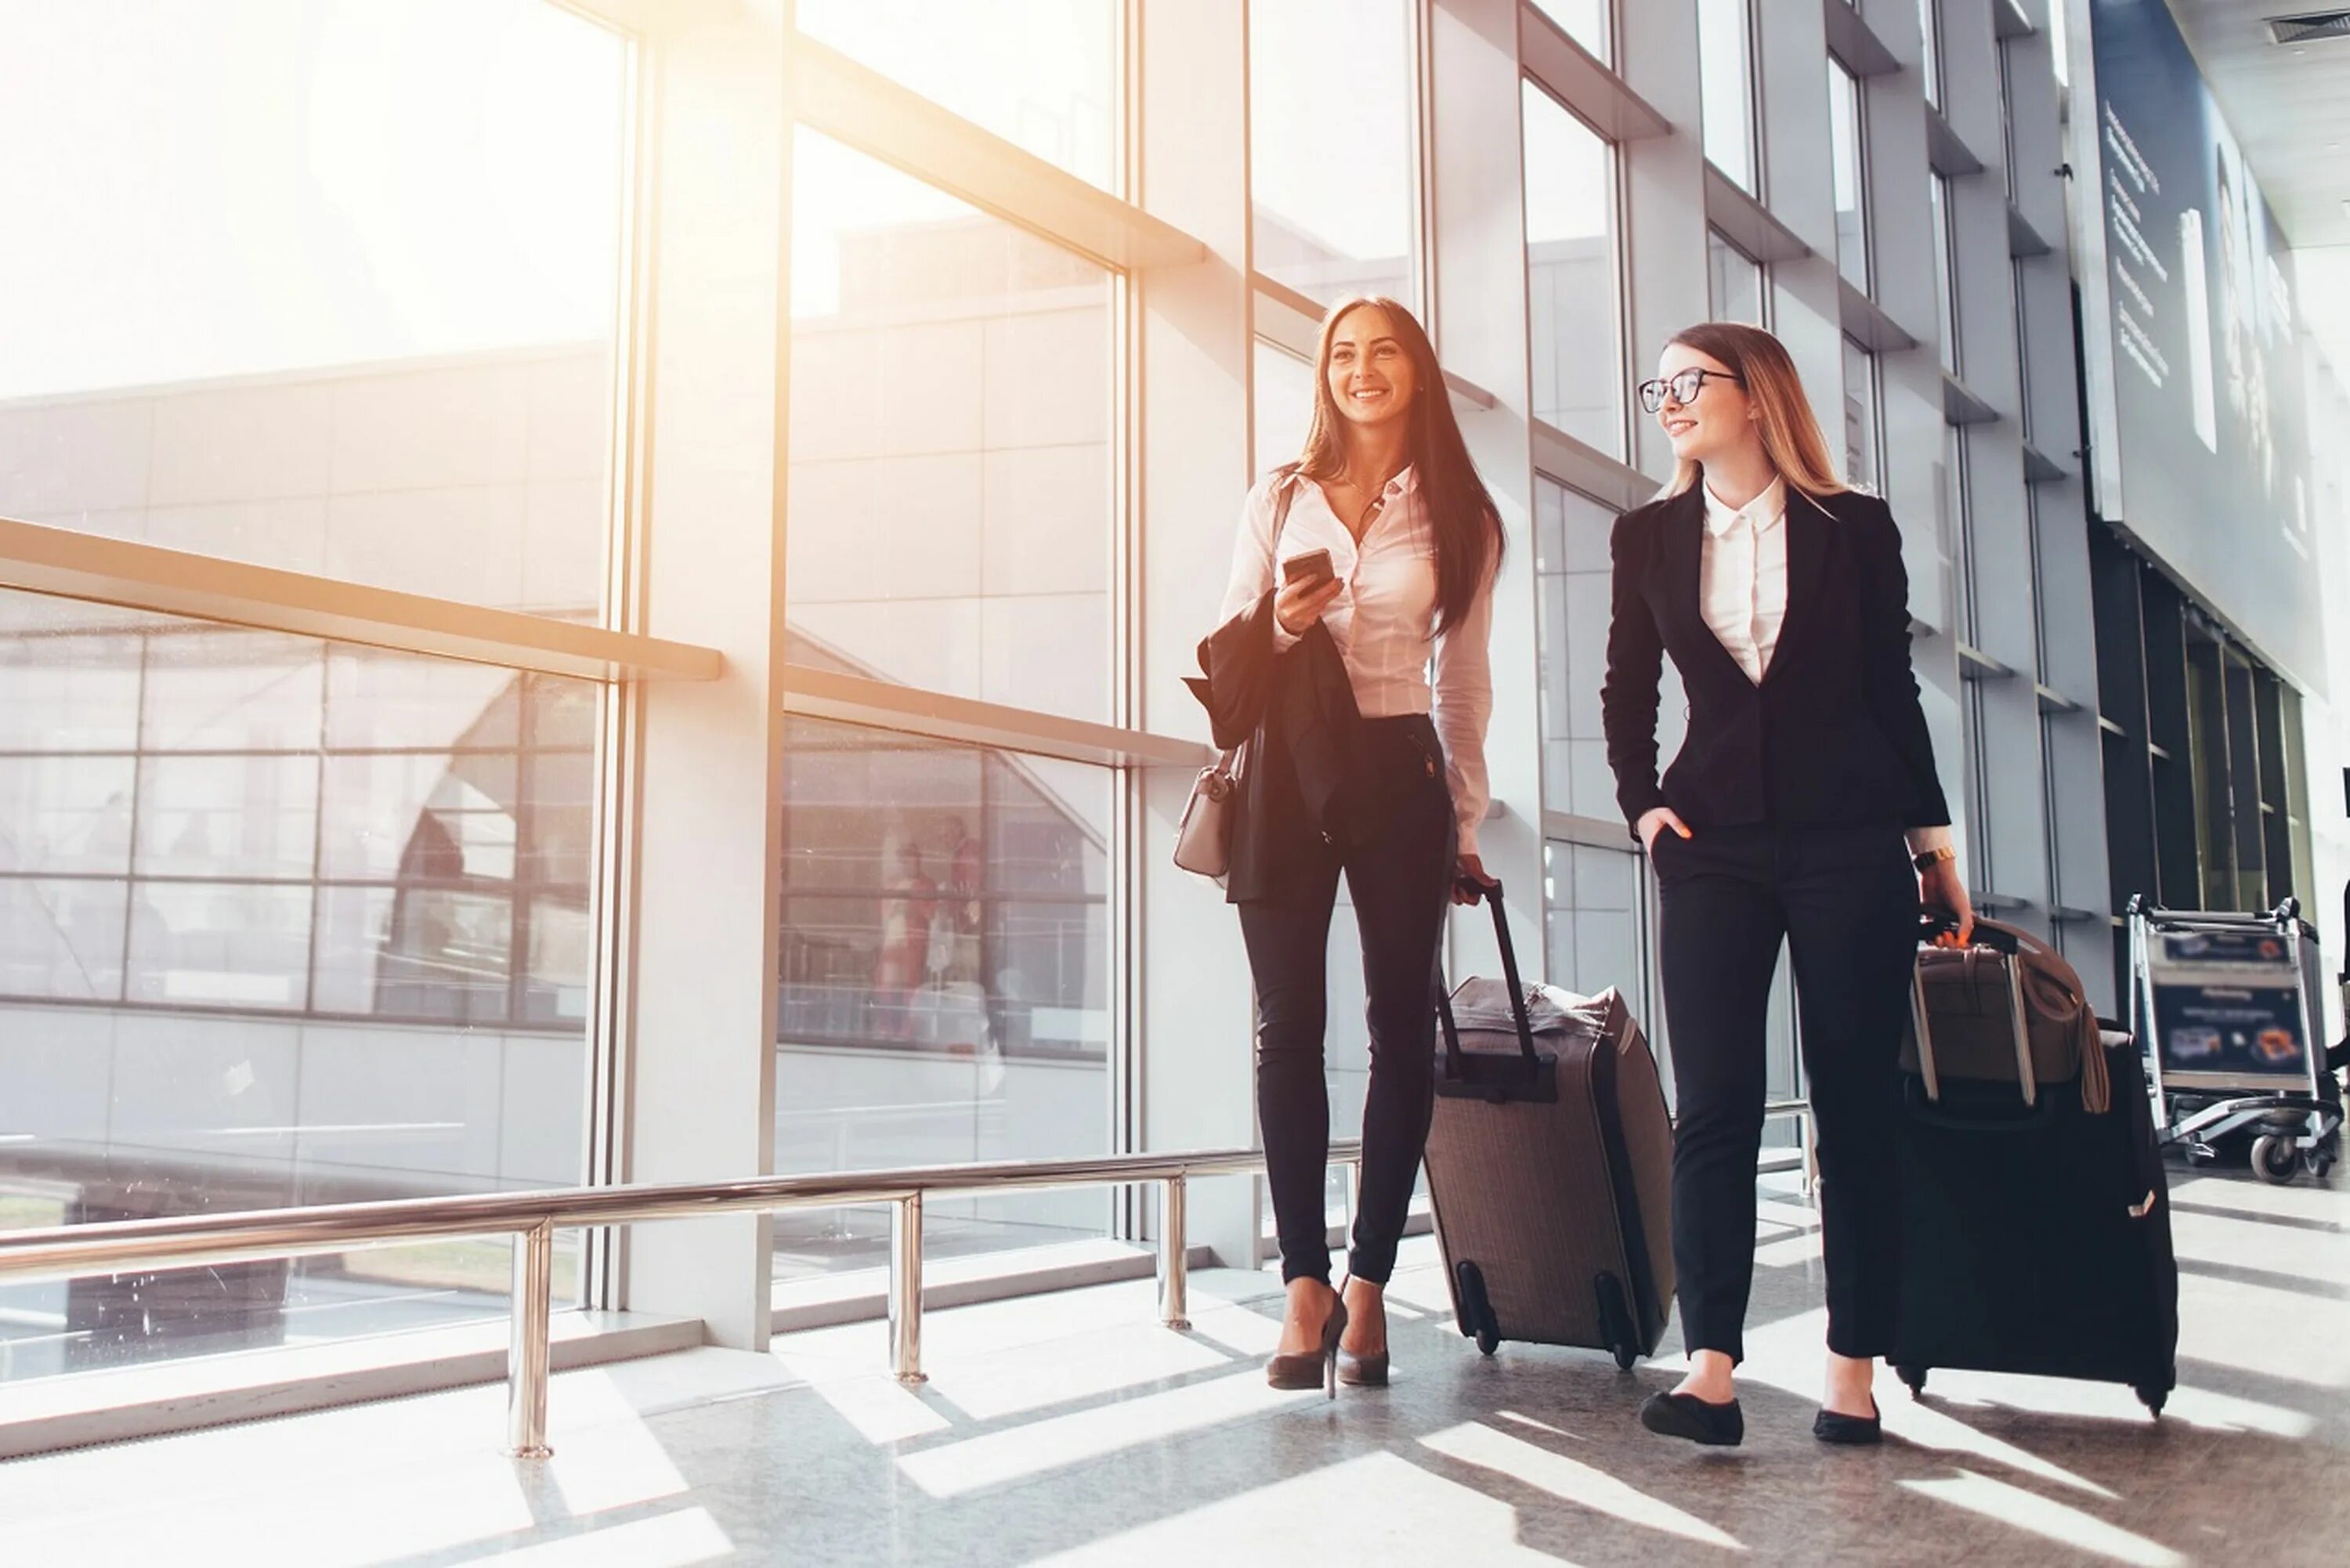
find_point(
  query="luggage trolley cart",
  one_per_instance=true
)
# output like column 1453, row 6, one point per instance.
column 2220, row 1004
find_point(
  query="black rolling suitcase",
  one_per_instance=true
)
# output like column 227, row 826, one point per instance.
column 1550, row 1167
column 2036, row 1232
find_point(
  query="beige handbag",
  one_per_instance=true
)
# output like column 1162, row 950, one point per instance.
column 1204, row 840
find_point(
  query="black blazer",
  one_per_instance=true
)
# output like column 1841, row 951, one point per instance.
column 1303, row 782
column 1833, row 734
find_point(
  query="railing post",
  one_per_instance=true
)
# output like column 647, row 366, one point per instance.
column 1174, row 1257
column 528, row 1356
column 906, row 1289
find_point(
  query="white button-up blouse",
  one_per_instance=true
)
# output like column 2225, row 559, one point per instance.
column 1384, row 621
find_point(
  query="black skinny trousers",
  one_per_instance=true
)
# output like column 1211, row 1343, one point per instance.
column 1845, row 902
column 1400, row 883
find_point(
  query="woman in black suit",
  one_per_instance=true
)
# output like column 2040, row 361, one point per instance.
column 1780, row 594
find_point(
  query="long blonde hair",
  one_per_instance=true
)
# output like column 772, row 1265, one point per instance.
column 1790, row 431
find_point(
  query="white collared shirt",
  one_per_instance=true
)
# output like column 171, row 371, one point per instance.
column 1384, row 621
column 1743, row 589
column 1742, row 576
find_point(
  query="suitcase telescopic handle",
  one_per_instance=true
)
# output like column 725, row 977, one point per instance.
column 1454, row 1066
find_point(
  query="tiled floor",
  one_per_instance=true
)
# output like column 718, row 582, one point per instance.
column 1070, row 1429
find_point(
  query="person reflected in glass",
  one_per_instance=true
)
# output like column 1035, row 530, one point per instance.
column 1385, row 506
column 1778, row 592
column 899, row 963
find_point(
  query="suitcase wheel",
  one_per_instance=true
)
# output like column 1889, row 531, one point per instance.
column 1915, row 1378
column 2153, row 1399
column 1476, row 1307
column 1615, row 1322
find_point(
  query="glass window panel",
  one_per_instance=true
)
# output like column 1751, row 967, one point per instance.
column 1331, row 108
column 418, row 953
column 69, row 814
column 1929, row 32
column 1571, row 267
column 1945, row 297
column 1849, row 153
column 384, row 345
column 241, row 968
column 1285, row 407
column 1726, row 83
column 950, row 497
column 255, row 814
column 61, row 939
column 1043, row 74
column 71, row 672
column 420, row 814
column 1860, row 416
column 945, row 986
column 1588, row 22
column 235, row 944
column 1572, row 574
column 1735, row 281
column 2059, row 47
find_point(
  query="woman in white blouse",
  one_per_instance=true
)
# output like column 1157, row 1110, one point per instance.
column 1778, row 592
column 1385, row 486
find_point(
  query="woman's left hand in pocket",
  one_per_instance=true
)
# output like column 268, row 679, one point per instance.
column 1470, row 870
column 1940, row 887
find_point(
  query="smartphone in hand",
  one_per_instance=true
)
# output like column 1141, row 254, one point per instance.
column 1312, row 566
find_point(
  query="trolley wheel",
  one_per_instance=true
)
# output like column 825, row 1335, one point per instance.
column 2153, row 1399
column 1625, row 1355
column 2275, row 1158
column 2319, row 1166
column 1915, row 1378
column 1487, row 1340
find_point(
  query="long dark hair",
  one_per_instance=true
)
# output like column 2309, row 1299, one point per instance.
column 1460, row 512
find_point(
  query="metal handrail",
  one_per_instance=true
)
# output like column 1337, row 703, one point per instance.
column 532, row 1217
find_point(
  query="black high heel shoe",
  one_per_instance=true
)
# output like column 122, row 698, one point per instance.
column 1698, row 1420
column 1313, row 1368
column 1855, row 1431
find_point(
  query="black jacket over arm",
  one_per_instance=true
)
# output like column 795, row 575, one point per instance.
column 1833, row 734
column 1303, row 781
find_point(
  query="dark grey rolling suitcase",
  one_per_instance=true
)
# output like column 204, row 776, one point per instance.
column 1550, row 1167
column 2035, row 1213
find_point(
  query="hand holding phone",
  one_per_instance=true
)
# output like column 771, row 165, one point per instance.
column 1309, row 585
column 1312, row 564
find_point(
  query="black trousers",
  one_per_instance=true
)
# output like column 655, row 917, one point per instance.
column 1845, row 902
column 1401, row 883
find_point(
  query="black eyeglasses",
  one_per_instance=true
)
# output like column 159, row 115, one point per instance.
column 1684, row 386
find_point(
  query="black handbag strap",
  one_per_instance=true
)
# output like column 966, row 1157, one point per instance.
column 1455, row 1064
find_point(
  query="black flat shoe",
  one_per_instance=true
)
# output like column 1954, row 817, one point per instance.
column 1698, row 1420
column 1853, row 1431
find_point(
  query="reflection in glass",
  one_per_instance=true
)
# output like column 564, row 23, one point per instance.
column 1848, row 152
column 1043, row 74
column 1930, row 30
column 1946, row 298
column 281, row 922
column 1588, row 22
column 950, row 496
column 945, row 986
column 1735, row 281
column 1331, row 106
column 1571, row 274
column 383, row 345
column 1860, row 417
column 1726, row 81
